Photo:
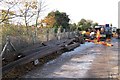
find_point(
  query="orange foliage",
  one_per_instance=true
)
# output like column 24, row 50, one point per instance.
column 49, row 21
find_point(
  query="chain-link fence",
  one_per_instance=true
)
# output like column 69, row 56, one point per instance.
column 20, row 37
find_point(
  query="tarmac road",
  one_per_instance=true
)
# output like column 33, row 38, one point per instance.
column 86, row 61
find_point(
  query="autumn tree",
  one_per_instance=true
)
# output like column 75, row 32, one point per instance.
column 62, row 19
column 30, row 11
column 5, row 19
column 7, row 13
column 57, row 19
column 26, row 11
column 49, row 21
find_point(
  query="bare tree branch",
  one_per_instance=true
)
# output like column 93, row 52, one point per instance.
column 30, row 17
column 8, row 12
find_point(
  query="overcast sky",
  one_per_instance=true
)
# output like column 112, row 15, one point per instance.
column 101, row 11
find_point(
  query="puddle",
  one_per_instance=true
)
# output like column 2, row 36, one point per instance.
column 78, row 66
column 77, row 50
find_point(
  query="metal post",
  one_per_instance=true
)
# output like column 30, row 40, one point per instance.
column 47, row 34
column 7, row 43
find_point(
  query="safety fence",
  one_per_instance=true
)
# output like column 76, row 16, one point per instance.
column 20, row 37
